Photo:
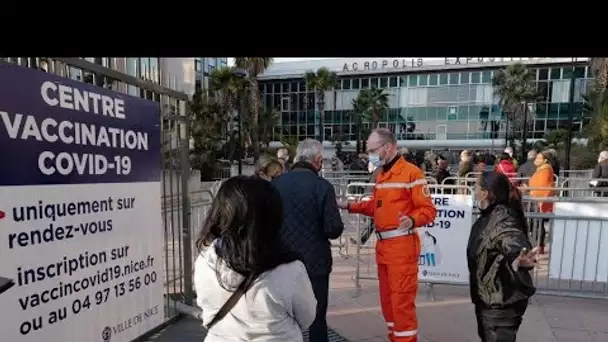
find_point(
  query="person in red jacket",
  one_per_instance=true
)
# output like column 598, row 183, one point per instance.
column 506, row 167
column 401, row 201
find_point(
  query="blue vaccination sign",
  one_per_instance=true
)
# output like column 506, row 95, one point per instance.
column 80, row 211
column 58, row 131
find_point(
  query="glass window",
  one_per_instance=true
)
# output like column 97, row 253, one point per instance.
column 294, row 87
column 475, row 77
column 454, row 78
column 463, row 112
column 412, row 80
column 556, row 73
column 567, row 73
column 431, row 113
column 285, row 87
column 423, row 79
column 443, row 79
column 383, row 82
column 433, row 79
column 346, row 83
column 393, row 81
column 579, row 72
column 543, row 74
column 365, row 83
column 486, row 77
column 197, row 65
column 464, row 78
column 553, row 110
column 145, row 68
column 302, row 86
column 355, row 83
column 539, row 125
column 373, row 83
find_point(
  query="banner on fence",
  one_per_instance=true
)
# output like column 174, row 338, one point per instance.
column 444, row 242
column 80, row 221
column 579, row 248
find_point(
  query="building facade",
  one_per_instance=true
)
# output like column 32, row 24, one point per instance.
column 434, row 103
column 204, row 66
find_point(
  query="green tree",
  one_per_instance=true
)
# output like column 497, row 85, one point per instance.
column 515, row 88
column 358, row 114
column 320, row 82
column 227, row 88
column 269, row 118
column 204, row 116
column 254, row 66
column 375, row 104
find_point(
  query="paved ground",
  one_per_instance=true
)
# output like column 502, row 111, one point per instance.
column 448, row 318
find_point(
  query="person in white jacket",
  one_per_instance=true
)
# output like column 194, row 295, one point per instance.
column 241, row 253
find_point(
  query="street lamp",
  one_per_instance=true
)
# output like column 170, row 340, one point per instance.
column 241, row 74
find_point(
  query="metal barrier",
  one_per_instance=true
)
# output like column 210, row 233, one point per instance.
column 564, row 271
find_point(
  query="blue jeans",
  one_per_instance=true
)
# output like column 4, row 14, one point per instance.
column 318, row 329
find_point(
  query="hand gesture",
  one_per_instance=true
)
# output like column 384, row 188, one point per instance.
column 525, row 259
column 405, row 222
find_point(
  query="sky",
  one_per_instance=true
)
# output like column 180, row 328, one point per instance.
column 278, row 60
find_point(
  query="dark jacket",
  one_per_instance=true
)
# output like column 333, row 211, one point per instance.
column 311, row 216
column 496, row 239
column 527, row 169
column 601, row 172
column 440, row 174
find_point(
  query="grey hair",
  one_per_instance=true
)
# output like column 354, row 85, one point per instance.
column 282, row 153
column 603, row 156
column 308, row 149
column 532, row 154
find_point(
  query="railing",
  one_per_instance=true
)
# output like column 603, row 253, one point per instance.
column 575, row 262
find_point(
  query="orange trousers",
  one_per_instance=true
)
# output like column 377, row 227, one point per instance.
column 398, row 275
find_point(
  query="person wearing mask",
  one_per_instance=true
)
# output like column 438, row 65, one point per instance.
column 401, row 201
column 509, row 151
column 311, row 219
column 499, row 258
column 249, row 285
column 600, row 172
column 506, row 167
column 527, row 169
column 268, row 168
column 283, row 157
column 541, row 186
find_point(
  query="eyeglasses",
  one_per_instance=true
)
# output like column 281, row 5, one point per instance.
column 376, row 149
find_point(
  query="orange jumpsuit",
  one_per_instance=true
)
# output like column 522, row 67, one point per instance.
column 543, row 178
column 400, row 191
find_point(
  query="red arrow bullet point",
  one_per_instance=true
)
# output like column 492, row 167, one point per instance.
column 1, row 214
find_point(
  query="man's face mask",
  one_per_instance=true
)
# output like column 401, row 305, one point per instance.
column 375, row 157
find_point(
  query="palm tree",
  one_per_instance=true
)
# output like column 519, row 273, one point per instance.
column 359, row 108
column 254, row 66
column 375, row 101
column 228, row 87
column 320, row 82
column 269, row 118
column 516, row 89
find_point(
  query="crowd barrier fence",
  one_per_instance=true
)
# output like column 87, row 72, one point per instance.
column 575, row 259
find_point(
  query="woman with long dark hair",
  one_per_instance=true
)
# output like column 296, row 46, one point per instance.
column 249, row 286
column 499, row 257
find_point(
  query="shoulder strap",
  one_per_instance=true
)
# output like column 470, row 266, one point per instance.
column 231, row 302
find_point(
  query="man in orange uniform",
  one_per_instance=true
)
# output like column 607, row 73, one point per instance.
column 401, row 202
